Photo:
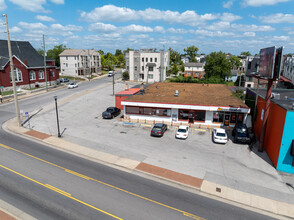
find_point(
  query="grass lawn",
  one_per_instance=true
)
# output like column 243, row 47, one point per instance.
column 72, row 78
column 8, row 93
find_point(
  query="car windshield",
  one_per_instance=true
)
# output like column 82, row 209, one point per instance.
column 241, row 130
column 182, row 130
column 221, row 134
column 72, row 84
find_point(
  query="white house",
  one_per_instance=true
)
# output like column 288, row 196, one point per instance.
column 79, row 62
column 195, row 70
column 147, row 66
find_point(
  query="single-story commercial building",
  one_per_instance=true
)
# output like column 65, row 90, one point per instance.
column 279, row 135
column 203, row 104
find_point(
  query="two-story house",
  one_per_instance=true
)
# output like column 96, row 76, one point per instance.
column 195, row 70
column 79, row 62
column 147, row 65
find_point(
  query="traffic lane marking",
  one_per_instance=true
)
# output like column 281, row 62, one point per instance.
column 106, row 184
column 60, row 192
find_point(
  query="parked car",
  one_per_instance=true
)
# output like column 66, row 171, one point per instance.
column 62, row 80
column 240, row 134
column 72, row 85
column 219, row 135
column 182, row 132
column 158, row 129
column 111, row 112
column 110, row 73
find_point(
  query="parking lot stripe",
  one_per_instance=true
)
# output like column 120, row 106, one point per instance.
column 197, row 129
column 146, row 125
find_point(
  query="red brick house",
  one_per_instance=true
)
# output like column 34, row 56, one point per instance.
column 28, row 66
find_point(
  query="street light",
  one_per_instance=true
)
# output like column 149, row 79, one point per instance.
column 55, row 98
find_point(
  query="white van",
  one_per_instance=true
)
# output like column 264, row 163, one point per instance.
column 110, row 73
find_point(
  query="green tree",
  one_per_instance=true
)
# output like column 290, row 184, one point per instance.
column 192, row 52
column 175, row 57
column 235, row 62
column 54, row 53
column 40, row 51
column 101, row 52
column 127, row 50
column 217, row 65
column 108, row 60
column 126, row 75
column 246, row 53
column 121, row 60
column 118, row 52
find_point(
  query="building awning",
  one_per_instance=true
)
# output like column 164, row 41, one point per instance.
column 150, row 64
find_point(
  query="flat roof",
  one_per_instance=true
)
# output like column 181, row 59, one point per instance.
column 189, row 94
column 130, row 91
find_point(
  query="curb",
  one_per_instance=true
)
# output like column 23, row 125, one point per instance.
column 202, row 185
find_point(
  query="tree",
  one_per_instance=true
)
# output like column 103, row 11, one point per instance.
column 235, row 62
column 108, row 60
column 101, row 52
column 192, row 52
column 40, row 51
column 54, row 53
column 217, row 65
column 175, row 57
column 127, row 50
column 121, row 60
column 246, row 53
column 126, row 75
column 118, row 52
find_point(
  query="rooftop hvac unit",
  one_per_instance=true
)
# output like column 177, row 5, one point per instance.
column 176, row 93
column 276, row 95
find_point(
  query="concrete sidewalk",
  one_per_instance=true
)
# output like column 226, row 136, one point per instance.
column 227, row 171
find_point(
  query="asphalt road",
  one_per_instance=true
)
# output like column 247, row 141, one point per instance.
column 50, row 184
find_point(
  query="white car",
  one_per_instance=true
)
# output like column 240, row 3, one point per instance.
column 219, row 135
column 72, row 85
column 182, row 132
column 110, row 73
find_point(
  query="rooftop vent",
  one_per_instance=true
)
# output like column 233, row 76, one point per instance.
column 276, row 95
column 286, row 97
column 176, row 93
column 127, row 87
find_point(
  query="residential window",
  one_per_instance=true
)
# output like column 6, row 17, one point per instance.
column 66, row 58
column 52, row 74
column 32, row 75
column 142, row 68
column 136, row 68
column 17, row 75
column 75, row 57
column 66, row 65
column 142, row 59
column 41, row 74
column 150, row 68
column 155, row 59
column 127, row 67
column 136, row 59
column 75, row 65
column 151, row 59
column 150, row 76
column 146, row 59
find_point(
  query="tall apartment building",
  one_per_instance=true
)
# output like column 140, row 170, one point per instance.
column 147, row 66
column 79, row 62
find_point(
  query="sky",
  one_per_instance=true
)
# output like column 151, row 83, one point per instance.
column 231, row 26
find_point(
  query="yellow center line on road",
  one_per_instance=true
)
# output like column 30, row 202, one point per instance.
column 106, row 184
column 60, row 192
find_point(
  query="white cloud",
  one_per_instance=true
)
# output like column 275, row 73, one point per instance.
column 228, row 4
column 101, row 27
column 44, row 18
column 291, row 32
column 59, row 2
column 70, row 27
column 159, row 29
column 252, row 27
column 137, row 28
column 249, row 34
column 30, row 5
column 221, row 25
column 177, row 31
column 31, row 26
column 213, row 33
column 281, row 38
column 123, row 14
column 15, row 30
column 2, row 5
column 229, row 17
column 277, row 18
column 257, row 3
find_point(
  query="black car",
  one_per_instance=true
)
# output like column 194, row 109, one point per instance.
column 158, row 129
column 62, row 80
column 240, row 134
column 111, row 112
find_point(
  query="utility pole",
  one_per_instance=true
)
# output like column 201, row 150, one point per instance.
column 45, row 62
column 113, row 81
column 12, row 73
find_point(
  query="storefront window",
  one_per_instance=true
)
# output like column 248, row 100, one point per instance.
column 183, row 114
column 218, row 117
column 132, row 110
column 199, row 115
column 233, row 118
column 240, row 117
column 148, row 111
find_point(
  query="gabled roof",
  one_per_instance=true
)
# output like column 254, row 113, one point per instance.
column 23, row 50
column 76, row 52
column 3, row 61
